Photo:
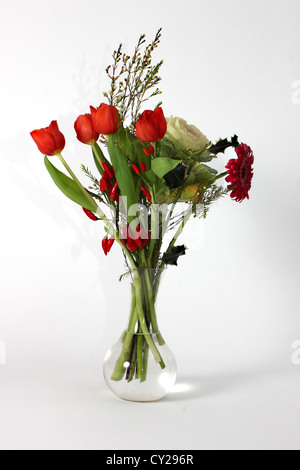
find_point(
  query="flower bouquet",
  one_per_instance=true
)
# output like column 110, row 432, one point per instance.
column 154, row 175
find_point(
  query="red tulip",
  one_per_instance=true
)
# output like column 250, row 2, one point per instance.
column 49, row 140
column 151, row 126
column 106, row 119
column 84, row 129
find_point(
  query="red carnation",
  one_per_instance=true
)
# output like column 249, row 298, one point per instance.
column 151, row 126
column 49, row 140
column 240, row 173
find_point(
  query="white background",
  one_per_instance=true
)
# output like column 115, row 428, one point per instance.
column 230, row 311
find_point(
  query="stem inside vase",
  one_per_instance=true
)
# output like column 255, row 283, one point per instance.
column 142, row 334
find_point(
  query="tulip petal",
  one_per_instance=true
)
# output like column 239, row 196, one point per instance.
column 44, row 141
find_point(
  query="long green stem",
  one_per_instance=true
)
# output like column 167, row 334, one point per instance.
column 83, row 190
column 152, row 309
column 179, row 230
column 220, row 175
column 179, row 192
column 143, row 324
column 154, row 233
column 171, row 244
column 99, row 156
column 133, row 362
column 145, row 362
column 119, row 368
column 139, row 355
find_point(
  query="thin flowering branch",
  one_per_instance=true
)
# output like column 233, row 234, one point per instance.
column 132, row 78
column 93, row 179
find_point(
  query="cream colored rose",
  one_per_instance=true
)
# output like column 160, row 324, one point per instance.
column 185, row 135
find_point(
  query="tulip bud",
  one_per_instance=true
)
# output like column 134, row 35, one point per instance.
column 108, row 170
column 136, row 169
column 143, row 166
column 90, row 214
column 146, row 192
column 105, row 185
column 105, row 176
column 104, row 245
column 110, row 243
column 113, row 193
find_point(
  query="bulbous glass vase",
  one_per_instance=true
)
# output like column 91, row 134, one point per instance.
column 140, row 366
column 141, row 378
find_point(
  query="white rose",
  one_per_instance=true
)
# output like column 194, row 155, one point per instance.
column 185, row 135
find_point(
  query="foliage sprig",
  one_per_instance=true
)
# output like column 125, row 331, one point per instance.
column 133, row 78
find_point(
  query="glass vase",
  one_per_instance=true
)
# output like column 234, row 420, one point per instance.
column 140, row 366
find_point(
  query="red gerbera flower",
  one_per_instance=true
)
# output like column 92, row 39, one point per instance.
column 240, row 173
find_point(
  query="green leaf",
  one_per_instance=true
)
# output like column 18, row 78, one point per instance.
column 168, row 149
column 185, row 194
column 126, row 143
column 162, row 195
column 124, row 176
column 69, row 187
column 171, row 256
column 223, row 144
column 130, row 145
column 213, row 171
column 174, row 178
column 204, row 156
column 158, row 184
column 162, row 165
column 202, row 175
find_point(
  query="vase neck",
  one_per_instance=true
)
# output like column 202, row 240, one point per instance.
column 144, row 288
